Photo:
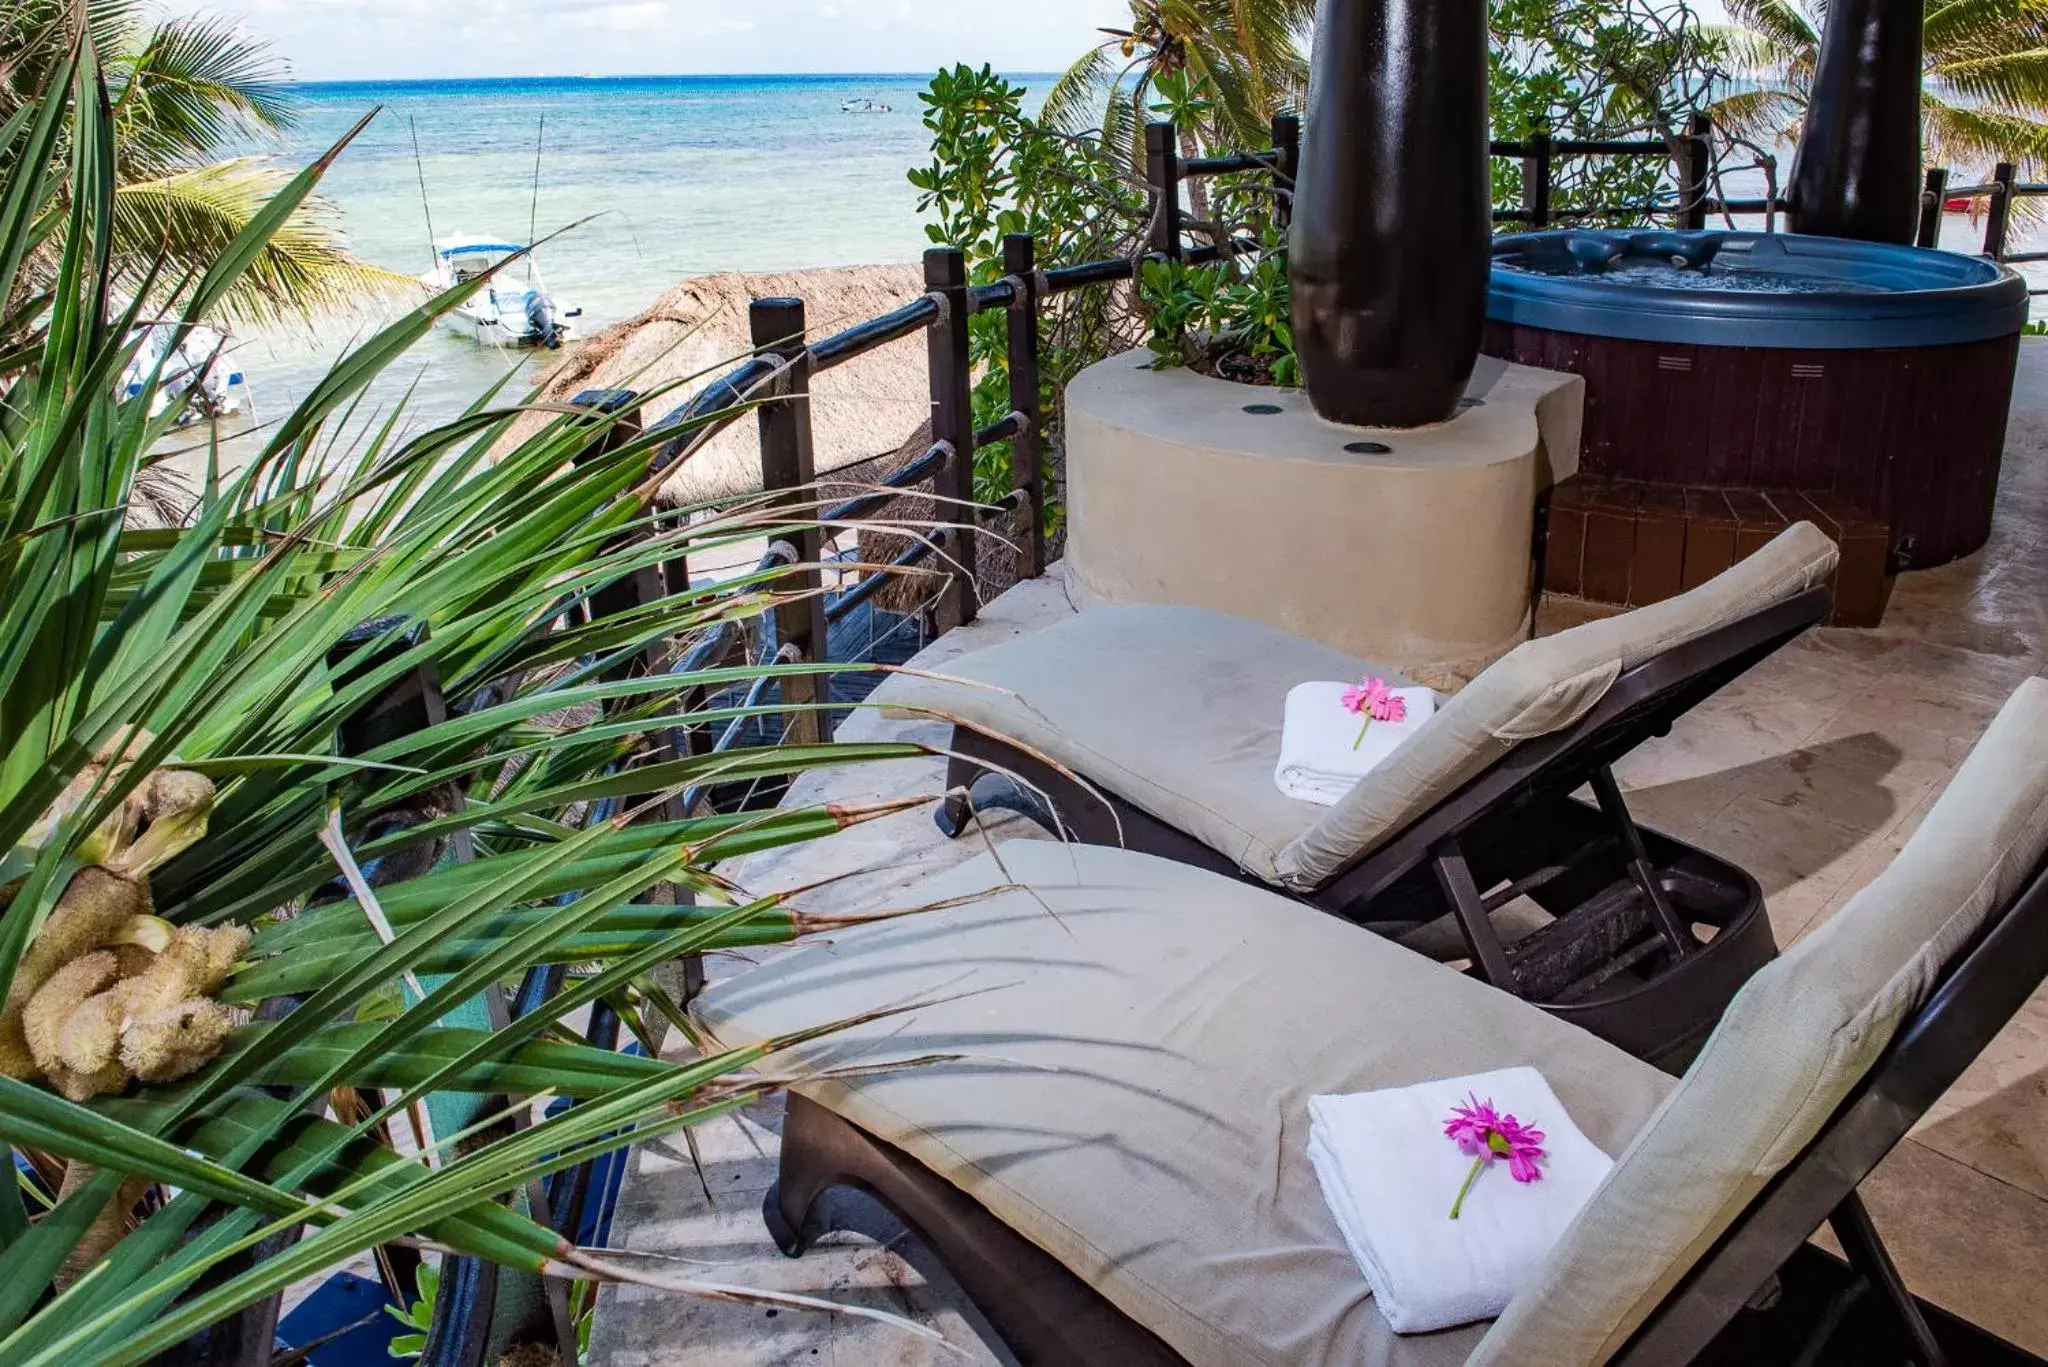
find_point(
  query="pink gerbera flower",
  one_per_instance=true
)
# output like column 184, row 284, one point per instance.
column 1374, row 700
column 1480, row 1130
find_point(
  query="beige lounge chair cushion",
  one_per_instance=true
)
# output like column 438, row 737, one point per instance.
column 1791, row 1046
column 1176, row 710
column 1139, row 1050
column 1539, row 687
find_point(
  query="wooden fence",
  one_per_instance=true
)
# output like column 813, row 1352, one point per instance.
column 2000, row 193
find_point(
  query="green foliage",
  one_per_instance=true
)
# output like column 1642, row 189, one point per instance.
column 1984, row 97
column 417, row 1316
column 1597, row 70
column 1232, row 318
column 1579, row 69
column 993, row 171
column 514, row 833
column 1223, row 68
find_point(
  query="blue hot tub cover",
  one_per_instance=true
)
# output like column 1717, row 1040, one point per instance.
column 1717, row 288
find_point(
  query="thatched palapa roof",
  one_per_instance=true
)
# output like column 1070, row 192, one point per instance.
column 867, row 407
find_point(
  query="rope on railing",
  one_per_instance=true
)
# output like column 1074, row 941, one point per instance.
column 1023, row 292
column 1002, row 429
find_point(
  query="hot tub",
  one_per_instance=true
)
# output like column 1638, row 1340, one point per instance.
column 1875, row 373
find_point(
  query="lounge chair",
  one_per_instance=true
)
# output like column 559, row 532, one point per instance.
column 1111, row 1161
column 1171, row 717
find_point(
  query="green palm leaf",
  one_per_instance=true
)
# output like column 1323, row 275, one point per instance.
column 194, row 213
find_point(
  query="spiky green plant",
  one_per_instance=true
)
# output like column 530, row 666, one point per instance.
column 214, row 646
column 1985, row 97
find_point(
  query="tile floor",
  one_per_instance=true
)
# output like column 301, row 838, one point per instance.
column 1811, row 772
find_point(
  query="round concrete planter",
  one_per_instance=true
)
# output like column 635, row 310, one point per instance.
column 1185, row 489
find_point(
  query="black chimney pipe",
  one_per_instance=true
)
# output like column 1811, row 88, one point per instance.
column 1857, row 170
column 1390, row 248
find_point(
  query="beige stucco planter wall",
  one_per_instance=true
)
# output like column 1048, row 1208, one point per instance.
column 1418, row 559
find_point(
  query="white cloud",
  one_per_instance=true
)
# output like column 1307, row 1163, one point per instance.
column 397, row 39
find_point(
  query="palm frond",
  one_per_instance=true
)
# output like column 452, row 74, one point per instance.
column 1074, row 103
column 1758, row 55
column 1763, row 116
column 2010, row 81
column 1785, row 23
column 1963, row 137
column 187, row 217
column 192, row 83
column 1956, row 28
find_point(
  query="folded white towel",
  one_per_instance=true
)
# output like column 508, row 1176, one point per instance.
column 1389, row 1176
column 1317, row 763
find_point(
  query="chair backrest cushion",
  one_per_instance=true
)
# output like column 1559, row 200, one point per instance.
column 1539, row 687
column 1791, row 1047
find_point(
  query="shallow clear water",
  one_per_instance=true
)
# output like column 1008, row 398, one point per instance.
column 685, row 175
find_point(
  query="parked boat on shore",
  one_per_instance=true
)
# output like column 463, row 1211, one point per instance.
column 515, row 308
column 197, row 373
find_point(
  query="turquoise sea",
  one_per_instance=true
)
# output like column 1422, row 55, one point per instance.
column 676, row 175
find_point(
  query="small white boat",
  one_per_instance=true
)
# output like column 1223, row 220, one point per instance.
column 198, row 374
column 861, row 104
column 514, row 309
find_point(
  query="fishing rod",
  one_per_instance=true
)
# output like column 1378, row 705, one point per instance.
column 533, row 204
column 419, row 166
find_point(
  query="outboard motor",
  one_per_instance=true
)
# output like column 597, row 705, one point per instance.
column 540, row 320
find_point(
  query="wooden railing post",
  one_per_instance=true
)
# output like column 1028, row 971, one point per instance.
column 777, row 329
column 1699, row 171
column 1287, row 161
column 1932, row 194
column 675, row 572
column 1020, row 263
column 1999, row 211
column 1162, row 173
column 945, row 275
column 411, row 702
column 1536, row 179
column 648, row 583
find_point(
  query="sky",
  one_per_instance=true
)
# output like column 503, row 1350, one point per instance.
column 328, row 40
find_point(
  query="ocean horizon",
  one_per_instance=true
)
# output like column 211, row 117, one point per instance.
column 649, row 77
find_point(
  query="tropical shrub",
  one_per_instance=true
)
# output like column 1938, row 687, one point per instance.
column 1598, row 70
column 995, row 170
column 323, row 942
column 1232, row 320
column 1581, row 70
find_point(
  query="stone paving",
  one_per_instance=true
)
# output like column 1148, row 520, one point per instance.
column 1811, row 772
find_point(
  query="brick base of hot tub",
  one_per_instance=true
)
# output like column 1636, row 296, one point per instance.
column 1633, row 543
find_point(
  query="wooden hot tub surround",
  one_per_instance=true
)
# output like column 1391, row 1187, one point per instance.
column 1912, row 436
